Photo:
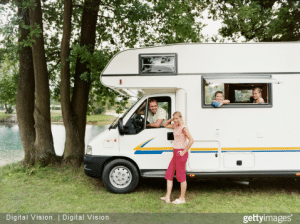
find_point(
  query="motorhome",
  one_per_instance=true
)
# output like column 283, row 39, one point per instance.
column 242, row 139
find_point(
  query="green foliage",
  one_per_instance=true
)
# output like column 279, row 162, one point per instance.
column 243, row 95
column 121, row 24
column 99, row 110
column 9, row 110
column 271, row 20
column 8, row 84
column 210, row 90
column 177, row 21
column 164, row 106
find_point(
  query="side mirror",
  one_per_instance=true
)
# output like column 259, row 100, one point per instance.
column 120, row 126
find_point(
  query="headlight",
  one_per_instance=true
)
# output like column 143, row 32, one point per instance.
column 89, row 150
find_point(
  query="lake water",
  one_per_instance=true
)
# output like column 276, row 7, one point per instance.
column 11, row 146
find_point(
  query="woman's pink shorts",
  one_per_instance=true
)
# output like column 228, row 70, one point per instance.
column 177, row 163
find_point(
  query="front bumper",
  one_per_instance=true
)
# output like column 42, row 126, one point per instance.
column 93, row 165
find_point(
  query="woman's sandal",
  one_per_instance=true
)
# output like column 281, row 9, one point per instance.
column 178, row 201
column 166, row 200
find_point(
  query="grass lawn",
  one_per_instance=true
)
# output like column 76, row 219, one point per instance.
column 4, row 116
column 56, row 117
column 100, row 119
column 69, row 190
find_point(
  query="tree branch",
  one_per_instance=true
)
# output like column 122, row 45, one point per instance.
column 3, row 2
column 78, row 6
column 53, row 53
column 108, row 7
column 54, row 67
column 106, row 17
column 105, row 6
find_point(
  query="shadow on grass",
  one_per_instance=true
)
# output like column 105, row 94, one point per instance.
column 96, row 183
column 279, row 185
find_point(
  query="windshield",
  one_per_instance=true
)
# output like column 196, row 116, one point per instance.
column 114, row 124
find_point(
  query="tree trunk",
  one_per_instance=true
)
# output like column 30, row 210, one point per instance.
column 25, row 95
column 73, row 154
column 72, row 137
column 45, row 153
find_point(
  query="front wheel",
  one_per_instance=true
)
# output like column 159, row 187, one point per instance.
column 120, row 176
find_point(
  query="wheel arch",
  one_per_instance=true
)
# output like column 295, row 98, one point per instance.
column 121, row 157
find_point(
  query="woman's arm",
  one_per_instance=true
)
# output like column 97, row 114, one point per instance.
column 190, row 138
column 167, row 124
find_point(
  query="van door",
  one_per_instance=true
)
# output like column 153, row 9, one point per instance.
column 151, row 148
column 204, row 155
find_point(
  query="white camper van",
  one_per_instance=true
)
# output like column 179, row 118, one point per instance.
column 238, row 140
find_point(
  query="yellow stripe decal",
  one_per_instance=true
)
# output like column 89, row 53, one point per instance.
column 195, row 150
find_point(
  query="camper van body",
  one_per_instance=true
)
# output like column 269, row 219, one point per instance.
column 238, row 140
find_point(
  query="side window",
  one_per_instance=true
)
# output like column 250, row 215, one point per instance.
column 159, row 110
column 236, row 93
column 158, row 64
column 136, row 123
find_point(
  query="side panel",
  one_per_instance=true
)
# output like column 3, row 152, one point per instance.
column 106, row 143
column 261, row 138
column 204, row 155
column 214, row 58
column 150, row 148
column 239, row 159
column 251, row 139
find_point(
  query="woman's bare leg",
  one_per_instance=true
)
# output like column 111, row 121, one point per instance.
column 183, row 186
column 169, row 188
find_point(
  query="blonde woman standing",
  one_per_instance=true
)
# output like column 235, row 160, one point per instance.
column 180, row 156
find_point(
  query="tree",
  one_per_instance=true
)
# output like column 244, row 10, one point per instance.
column 26, row 88
column 98, row 30
column 129, row 16
column 44, row 149
column 270, row 20
column 74, row 112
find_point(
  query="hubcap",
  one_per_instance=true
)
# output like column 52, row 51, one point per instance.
column 120, row 177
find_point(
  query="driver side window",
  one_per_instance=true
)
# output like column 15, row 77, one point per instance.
column 136, row 122
column 159, row 111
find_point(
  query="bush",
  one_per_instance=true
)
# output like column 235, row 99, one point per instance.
column 99, row 110
column 9, row 110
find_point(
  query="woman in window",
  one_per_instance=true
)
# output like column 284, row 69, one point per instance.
column 256, row 94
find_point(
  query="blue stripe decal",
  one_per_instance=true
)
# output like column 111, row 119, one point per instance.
column 151, row 151
column 146, row 143
column 161, row 151
column 265, row 151
column 204, row 151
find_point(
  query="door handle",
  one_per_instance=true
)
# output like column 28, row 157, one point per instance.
column 170, row 135
column 216, row 155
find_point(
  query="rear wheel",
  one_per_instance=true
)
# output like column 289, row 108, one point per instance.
column 120, row 176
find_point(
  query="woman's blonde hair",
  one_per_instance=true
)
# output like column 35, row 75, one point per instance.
column 177, row 113
column 258, row 89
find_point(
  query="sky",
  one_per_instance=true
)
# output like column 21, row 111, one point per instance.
column 212, row 26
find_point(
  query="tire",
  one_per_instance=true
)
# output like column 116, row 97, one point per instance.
column 120, row 176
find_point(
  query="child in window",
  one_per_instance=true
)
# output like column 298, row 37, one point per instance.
column 256, row 94
column 219, row 99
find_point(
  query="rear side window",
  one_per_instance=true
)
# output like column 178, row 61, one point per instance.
column 151, row 64
column 255, row 94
